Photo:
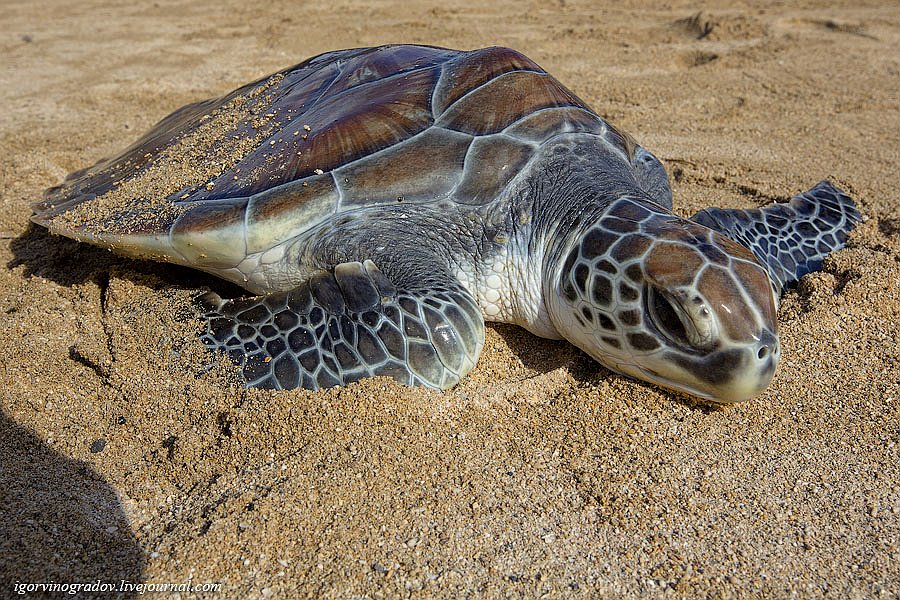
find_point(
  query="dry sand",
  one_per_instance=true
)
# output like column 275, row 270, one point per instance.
column 542, row 473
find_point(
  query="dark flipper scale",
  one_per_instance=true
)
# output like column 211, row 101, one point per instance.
column 790, row 239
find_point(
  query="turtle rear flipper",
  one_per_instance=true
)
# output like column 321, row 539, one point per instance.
column 793, row 238
column 348, row 324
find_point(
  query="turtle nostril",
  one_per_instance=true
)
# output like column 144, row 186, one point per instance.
column 768, row 346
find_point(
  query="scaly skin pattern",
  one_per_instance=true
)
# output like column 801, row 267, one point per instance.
column 666, row 300
column 351, row 323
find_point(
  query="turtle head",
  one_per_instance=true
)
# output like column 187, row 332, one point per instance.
column 668, row 301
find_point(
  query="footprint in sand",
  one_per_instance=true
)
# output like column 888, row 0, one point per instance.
column 705, row 38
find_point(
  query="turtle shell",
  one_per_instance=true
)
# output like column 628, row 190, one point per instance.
column 221, row 180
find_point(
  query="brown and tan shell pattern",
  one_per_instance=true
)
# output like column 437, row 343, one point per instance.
column 341, row 131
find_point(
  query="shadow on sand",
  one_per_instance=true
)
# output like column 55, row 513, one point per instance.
column 60, row 521
column 68, row 262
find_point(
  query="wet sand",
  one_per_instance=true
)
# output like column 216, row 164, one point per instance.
column 542, row 473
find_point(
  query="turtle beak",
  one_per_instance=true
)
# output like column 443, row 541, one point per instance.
column 731, row 373
column 759, row 364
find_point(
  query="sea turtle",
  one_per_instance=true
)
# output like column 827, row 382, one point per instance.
column 382, row 203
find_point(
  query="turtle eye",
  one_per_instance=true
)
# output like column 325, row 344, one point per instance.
column 665, row 317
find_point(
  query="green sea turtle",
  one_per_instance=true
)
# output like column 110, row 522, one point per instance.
column 382, row 203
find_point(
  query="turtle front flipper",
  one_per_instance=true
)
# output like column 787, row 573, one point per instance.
column 793, row 238
column 348, row 324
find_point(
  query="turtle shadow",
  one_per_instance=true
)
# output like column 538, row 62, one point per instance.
column 68, row 263
column 60, row 521
column 59, row 259
column 545, row 355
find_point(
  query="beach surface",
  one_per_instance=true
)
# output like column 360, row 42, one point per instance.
column 542, row 473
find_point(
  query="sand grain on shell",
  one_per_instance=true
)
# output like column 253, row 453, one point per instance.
column 146, row 199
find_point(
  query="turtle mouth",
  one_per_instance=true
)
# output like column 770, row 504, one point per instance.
column 680, row 387
column 667, row 318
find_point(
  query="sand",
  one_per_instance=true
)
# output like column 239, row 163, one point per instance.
column 542, row 473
